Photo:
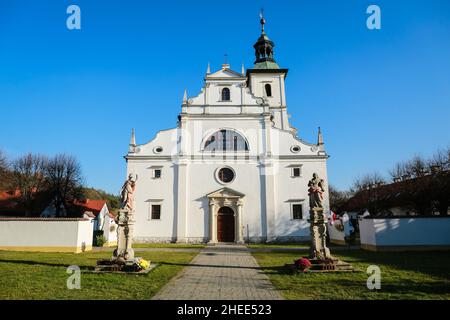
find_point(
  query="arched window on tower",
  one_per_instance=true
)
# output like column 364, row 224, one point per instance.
column 226, row 140
column 268, row 88
column 225, row 94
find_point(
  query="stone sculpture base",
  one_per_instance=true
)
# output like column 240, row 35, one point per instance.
column 320, row 256
column 331, row 265
column 319, row 249
column 119, row 266
column 125, row 227
column 123, row 256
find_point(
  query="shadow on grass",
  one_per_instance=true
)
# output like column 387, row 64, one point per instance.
column 46, row 264
column 433, row 263
column 402, row 287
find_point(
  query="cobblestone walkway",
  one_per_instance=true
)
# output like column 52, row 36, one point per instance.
column 222, row 272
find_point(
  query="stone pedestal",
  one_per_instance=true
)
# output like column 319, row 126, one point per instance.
column 123, row 260
column 319, row 249
column 124, row 236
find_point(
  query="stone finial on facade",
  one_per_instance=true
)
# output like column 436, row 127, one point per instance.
column 320, row 142
column 319, row 138
column 132, row 147
column 185, row 98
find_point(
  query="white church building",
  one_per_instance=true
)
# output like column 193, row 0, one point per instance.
column 233, row 169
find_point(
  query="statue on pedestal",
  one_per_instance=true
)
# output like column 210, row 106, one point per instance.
column 123, row 259
column 125, row 221
column 318, row 228
column 320, row 259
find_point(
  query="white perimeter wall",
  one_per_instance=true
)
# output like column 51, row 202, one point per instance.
column 59, row 235
column 336, row 236
column 404, row 232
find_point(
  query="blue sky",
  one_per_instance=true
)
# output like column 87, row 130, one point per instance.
column 380, row 96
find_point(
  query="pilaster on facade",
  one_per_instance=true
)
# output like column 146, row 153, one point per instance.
column 239, row 225
column 269, row 196
column 212, row 219
column 182, row 201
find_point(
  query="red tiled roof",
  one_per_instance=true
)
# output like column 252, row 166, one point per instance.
column 40, row 219
column 8, row 195
column 10, row 205
column 111, row 215
column 91, row 205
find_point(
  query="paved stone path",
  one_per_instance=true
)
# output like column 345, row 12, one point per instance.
column 221, row 272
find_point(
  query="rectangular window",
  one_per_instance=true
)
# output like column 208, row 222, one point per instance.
column 297, row 211
column 296, row 172
column 157, row 174
column 156, row 211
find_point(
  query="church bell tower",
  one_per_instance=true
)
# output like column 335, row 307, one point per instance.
column 266, row 79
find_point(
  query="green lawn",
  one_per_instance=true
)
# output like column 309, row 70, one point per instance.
column 32, row 275
column 168, row 245
column 412, row 275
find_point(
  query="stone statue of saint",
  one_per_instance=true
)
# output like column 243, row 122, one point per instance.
column 316, row 190
column 127, row 193
column 318, row 227
column 125, row 222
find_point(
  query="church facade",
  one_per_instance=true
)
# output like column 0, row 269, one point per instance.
column 233, row 169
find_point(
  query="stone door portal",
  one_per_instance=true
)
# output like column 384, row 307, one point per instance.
column 225, row 225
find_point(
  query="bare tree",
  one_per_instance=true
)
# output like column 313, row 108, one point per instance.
column 368, row 181
column 4, row 166
column 366, row 189
column 439, row 181
column 64, row 180
column 28, row 178
column 400, row 170
column 440, row 161
column 417, row 166
column 3, row 161
column 337, row 198
column 447, row 165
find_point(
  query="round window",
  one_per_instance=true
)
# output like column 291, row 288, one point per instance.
column 158, row 149
column 225, row 175
column 295, row 149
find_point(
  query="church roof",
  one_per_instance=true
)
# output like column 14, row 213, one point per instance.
column 224, row 73
column 266, row 65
